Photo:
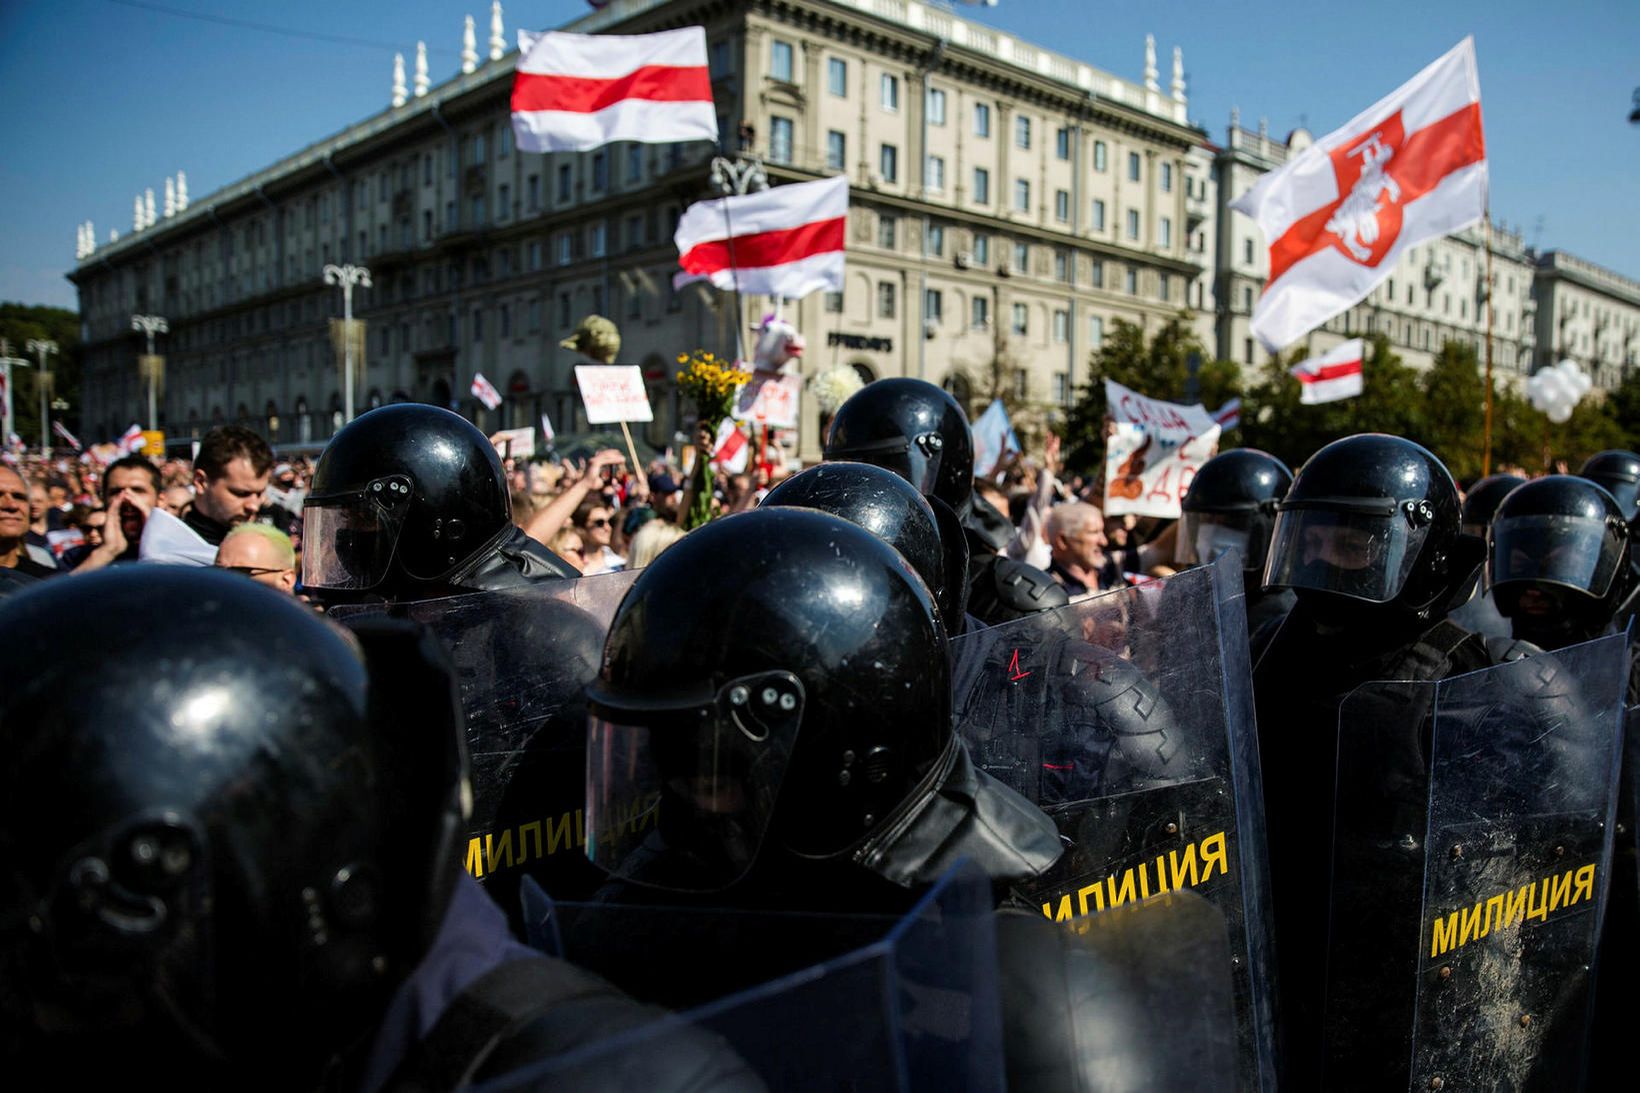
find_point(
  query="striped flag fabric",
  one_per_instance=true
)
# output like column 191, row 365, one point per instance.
column 1334, row 375
column 132, row 440
column 485, row 391
column 786, row 241
column 547, row 435
column 731, row 450
column 62, row 430
column 576, row 92
column 1229, row 415
column 1341, row 213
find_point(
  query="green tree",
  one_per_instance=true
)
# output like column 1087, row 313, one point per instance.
column 1623, row 404
column 1454, row 410
column 20, row 323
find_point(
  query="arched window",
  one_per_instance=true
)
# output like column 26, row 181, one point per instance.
column 304, row 422
column 866, row 371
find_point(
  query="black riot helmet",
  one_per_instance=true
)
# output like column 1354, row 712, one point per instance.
column 404, row 497
column 915, row 430
column 1483, row 500
column 1231, row 503
column 777, row 683
column 224, row 848
column 1557, row 560
column 1619, row 472
column 1372, row 520
column 890, row 508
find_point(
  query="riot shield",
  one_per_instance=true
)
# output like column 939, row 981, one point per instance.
column 1471, row 849
column 1128, row 718
column 523, row 657
column 914, row 1006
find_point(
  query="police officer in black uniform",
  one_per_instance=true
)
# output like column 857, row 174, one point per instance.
column 1231, row 504
column 1478, row 613
column 410, row 502
column 1619, row 472
column 1368, row 539
column 920, row 433
column 232, row 857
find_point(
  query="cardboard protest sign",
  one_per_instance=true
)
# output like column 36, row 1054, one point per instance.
column 517, row 443
column 770, row 398
column 1153, row 452
column 613, row 392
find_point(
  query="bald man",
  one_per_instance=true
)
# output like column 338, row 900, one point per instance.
column 262, row 553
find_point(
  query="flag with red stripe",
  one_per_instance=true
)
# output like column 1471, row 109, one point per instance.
column 62, row 430
column 731, row 450
column 1340, row 214
column 1334, row 375
column 485, row 391
column 132, row 440
column 575, row 92
column 787, row 241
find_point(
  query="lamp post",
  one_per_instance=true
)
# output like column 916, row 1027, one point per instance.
column 737, row 177
column 150, row 325
column 43, row 348
column 7, row 419
column 347, row 276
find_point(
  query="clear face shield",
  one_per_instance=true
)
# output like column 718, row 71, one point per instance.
column 1206, row 536
column 1363, row 550
column 682, row 796
column 348, row 539
column 1575, row 552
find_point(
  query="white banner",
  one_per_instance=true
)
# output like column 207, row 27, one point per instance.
column 516, row 443
column 1153, row 452
column 613, row 392
column 770, row 398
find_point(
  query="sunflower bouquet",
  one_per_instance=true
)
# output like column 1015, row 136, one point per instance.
column 712, row 384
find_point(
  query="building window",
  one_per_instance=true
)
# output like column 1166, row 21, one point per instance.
column 1062, row 388
column 634, row 163
column 600, row 172
column 1098, row 215
column 834, row 303
column 1164, row 288
column 780, row 60
column 837, row 77
column 890, row 92
column 1098, row 280
column 1022, row 195
column 535, row 254
column 504, row 141
column 1167, row 178
column 532, row 188
column 1133, row 166
column 979, row 312
column 933, row 305
column 780, row 140
column 478, row 325
column 1062, row 144
column 936, row 107
column 936, row 240
column 1133, row 224
column 1096, row 332
column 885, row 231
column 982, row 119
column 1131, row 281
column 1164, row 232
column 634, row 232
column 1022, row 257
column 982, row 249
column 1022, row 319
column 885, row 299
column 479, row 151
column 889, row 163
column 936, row 174
column 1247, row 298
column 506, row 321
column 836, row 150
column 1061, row 266
column 1061, row 205
column 1247, row 350
column 982, row 186
column 1099, row 150
column 1022, row 131
column 1061, row 326
column 535, row 317
column 503, row 201
column 1022, row 384
column 564, row 248
column 598, row 239
column 1247, row 251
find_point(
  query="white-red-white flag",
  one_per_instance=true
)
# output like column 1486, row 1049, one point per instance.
column 1334, row 375
column 547, row 435
column 1341, row 213
column 1229, row 415
column 62, row 430
column 786, row 241
column 132, row 440
column 485, row 391
column 575, row 92
column 731, row 450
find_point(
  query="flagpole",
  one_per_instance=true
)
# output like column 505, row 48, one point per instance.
column 1486, row 435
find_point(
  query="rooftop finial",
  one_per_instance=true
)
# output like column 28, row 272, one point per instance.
column 469, row 47
column 1178, row 74
column 170, row 197
column 182, row 191
column 148, row 217
column 1235, row 118
column 421, row 69
column 79, row 242
column 136, row 214
column 401, row 93
column 1150, row 64
column 498, row 40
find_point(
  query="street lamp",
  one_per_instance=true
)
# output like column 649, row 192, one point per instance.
column 43, row 348
column 151, row 367
column 347, row 277
column 7, row 421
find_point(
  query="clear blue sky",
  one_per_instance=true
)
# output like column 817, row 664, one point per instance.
column 103, row 98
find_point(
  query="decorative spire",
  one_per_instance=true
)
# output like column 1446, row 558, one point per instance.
column 401, row 93
column 136, row 214
column 1150, row 64
column 90, row 238
column 421, row 69
column 79, row 242
column 148, row 217
column 1178, row 74
column 170, row 197
column 113, row 235
column 182, row 191
column 498, row 40
column 469, row 47
column 1235, row 117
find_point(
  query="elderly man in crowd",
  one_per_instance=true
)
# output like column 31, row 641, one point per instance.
column 1076, row 534
column 14, row 526
column 262, row 553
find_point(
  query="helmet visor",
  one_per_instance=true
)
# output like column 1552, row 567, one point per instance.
column 1361, row 553
column 1205, row 536
column 1575, row 551
column 347, row 543
column 682, row 798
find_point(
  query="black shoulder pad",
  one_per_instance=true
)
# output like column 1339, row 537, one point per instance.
column 1004, row 589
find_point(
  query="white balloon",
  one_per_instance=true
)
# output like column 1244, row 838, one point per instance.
column 1560, row 415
